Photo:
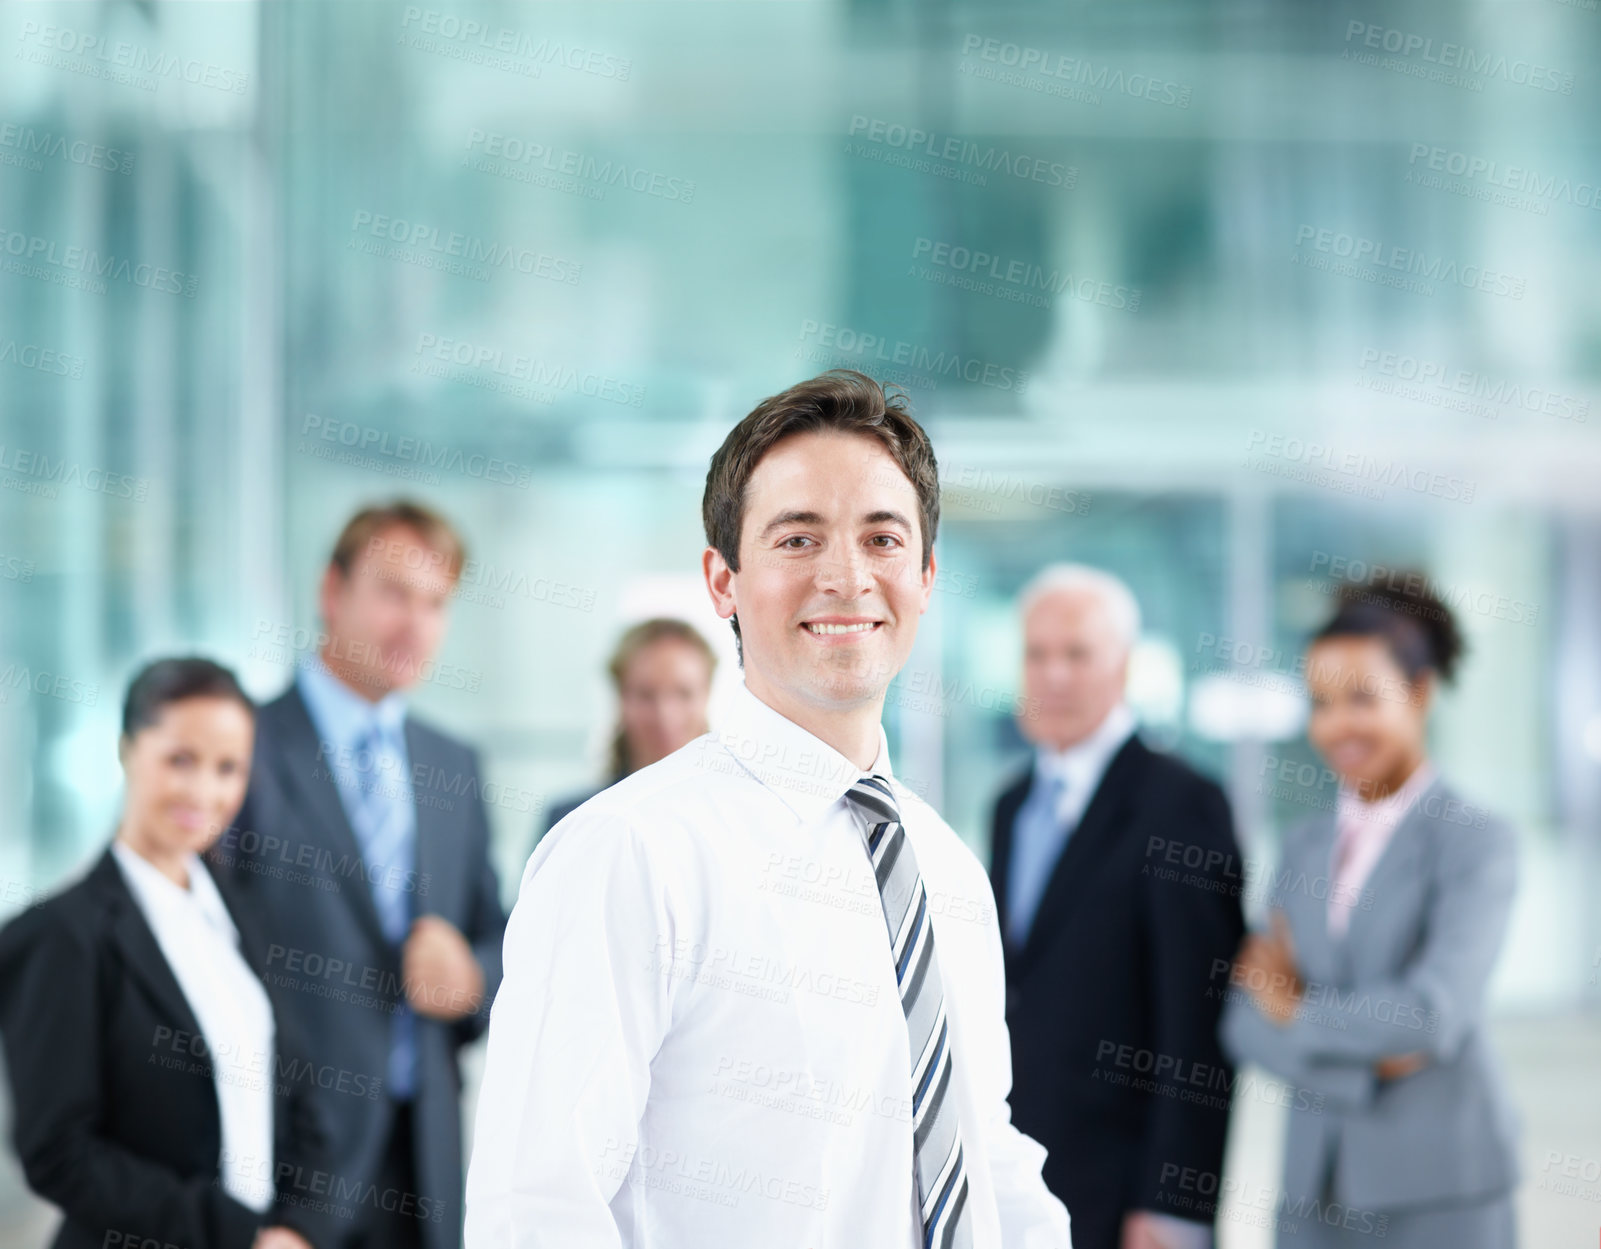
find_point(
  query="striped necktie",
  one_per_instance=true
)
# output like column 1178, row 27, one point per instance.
column 936, row 1140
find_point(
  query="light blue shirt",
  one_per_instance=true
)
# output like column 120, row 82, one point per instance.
column 363, row 747
column 1064, row 783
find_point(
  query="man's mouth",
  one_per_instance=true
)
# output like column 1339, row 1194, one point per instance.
column 826, row 629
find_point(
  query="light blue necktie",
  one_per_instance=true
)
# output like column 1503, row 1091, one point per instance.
column 1038, row 837
column 384, row 825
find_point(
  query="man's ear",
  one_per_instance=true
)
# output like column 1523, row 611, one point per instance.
column 333, row 579
column 928, row 582
column 719, row 581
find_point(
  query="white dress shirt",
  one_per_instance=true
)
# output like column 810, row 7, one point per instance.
column 201, row 945
column 1081, row 766
column 698, row 1041
column 1039, row 835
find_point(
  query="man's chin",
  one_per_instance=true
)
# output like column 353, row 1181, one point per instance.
column 846, row 689
column 391, row 676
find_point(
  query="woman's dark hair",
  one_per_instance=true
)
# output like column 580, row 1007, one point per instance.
column 1404, row 610
column 165, row 681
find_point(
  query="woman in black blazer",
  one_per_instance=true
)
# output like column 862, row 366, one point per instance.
column 124, row 1114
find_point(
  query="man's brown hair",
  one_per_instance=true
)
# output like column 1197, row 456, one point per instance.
column 437, row 533
column 842, row 400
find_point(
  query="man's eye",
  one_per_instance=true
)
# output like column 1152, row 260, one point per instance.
column 794, row 538
column 886, row 537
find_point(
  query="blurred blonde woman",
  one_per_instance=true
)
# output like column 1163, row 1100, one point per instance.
column 662, row 671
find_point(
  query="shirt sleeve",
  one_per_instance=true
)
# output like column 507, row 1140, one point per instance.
column 1031, row 1215
column 584, row 1003
column 1250, row 1037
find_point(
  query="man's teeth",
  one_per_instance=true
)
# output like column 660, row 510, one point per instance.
column 838, row 628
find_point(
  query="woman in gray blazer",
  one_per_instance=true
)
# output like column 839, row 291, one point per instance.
column 1367, row 991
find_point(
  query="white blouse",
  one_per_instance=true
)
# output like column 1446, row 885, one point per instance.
column 201, row 945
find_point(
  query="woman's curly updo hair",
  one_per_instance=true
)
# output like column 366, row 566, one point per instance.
column 1408, row 615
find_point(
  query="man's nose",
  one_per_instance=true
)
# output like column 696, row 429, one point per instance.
column 845, row 575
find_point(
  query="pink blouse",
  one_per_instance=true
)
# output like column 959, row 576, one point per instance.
column 1363, row 830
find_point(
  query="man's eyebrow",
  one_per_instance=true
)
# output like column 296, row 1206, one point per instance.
column 790, row 518
column 883, row 516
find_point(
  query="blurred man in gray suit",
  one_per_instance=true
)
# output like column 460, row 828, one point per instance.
column 364, row 848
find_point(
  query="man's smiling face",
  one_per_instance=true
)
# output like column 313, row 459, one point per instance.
column 831, row 580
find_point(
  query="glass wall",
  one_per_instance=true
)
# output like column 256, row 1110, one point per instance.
column 1239, row 301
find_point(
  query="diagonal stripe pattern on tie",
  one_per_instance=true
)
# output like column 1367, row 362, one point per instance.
column 936, row 1142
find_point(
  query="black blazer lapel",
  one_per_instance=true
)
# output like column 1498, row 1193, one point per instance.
column 140, row 950
column 308, row 781
column 1102, row 819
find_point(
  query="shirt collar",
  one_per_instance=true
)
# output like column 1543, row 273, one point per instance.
column 1388, row 810
column 804, row 771
column 1083, row 761
column 341, row 715
column 155, row 889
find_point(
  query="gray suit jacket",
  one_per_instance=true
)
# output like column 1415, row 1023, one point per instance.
column 298, row 866
column 1408, row 976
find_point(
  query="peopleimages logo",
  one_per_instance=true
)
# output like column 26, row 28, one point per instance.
column 985, row 158
column 1456, row 597
column 1433, row 374
column 369, row 439
column 1456, row 56
column 38, row 466
column 418, row 242
column 426, row 26
column 459, row 360
column 29, row 144
column 119, row 60
column 1513, row 178
column 1019, row 280
column 1408, row 261
column 864, row 348
column 37, row 256
column 1055, row 74
column 41, row 359
column 528, row 160
column 1353, row 472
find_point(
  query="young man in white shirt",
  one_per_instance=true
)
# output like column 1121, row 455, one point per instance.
column 754, row 993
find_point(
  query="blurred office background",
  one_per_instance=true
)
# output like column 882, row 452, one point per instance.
column 1234, row 299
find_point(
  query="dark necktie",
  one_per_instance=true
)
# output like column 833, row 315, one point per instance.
column 936, row 1140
